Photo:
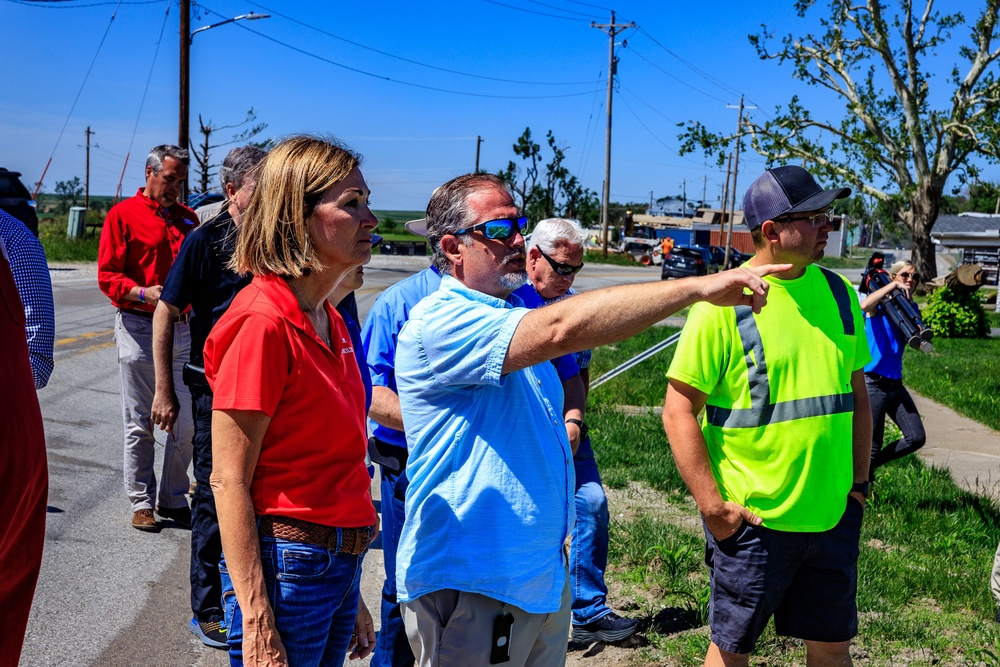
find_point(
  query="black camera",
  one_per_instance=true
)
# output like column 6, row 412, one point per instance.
column 896, row 305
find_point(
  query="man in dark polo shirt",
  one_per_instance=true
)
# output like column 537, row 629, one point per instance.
column 200, row 278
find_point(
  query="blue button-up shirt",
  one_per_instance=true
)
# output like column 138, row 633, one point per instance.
column 489, row 505
column 382, row 325
column 31, row 274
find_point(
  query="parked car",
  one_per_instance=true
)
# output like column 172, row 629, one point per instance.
column 684, row 261
column 196, row 199
column 736, row 258
column 16, row 200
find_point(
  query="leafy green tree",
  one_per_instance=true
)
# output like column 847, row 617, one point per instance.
column 547, row 190
column 983, row 198
column 895, row 141
column 69, row 193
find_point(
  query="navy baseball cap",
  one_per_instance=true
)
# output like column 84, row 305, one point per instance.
column 785, row 190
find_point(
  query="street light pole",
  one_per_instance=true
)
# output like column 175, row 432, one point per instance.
column 187, row 36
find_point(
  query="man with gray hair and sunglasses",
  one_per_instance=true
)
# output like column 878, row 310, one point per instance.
column 139, row 241
column 488, row 506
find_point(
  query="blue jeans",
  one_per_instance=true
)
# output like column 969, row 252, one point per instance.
column 314, row 594
column 392, row 649
column 588, row 556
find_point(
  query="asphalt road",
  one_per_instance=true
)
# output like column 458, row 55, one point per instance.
column 109, row 595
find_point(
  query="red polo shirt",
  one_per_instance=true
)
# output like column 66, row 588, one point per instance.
column 139, row 242
column 264, row 355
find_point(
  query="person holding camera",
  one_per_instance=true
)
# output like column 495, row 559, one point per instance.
column 884, row 373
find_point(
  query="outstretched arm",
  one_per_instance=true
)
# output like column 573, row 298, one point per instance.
column 612, row 314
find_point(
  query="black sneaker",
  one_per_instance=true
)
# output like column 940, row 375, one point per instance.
column 211, row 633
column 608, row 628
column 181, row 515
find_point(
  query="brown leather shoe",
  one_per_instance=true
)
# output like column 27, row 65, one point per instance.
column 143, row 520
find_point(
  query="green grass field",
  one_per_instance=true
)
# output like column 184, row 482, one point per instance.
column 926, row 545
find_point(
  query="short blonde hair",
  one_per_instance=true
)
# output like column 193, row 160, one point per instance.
column 273, row 237
column 898, row 266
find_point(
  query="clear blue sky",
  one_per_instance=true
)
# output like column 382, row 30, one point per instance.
column 413, row 137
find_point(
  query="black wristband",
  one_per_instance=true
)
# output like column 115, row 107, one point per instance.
column 583, row 427
column 864, row 488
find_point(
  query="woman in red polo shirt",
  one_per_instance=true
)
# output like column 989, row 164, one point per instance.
column 288, row 430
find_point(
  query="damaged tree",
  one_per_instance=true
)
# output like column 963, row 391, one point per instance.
column 891, row 143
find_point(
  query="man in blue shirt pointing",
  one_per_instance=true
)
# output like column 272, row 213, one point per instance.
column 490, row 465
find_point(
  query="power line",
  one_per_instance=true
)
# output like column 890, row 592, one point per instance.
column 678, row 80
column 690, row 66
column 585, row 153
column 651, row 107
column 404, row 59
column 62, row 4
column 142, row 103
column 79, row 92
column 653, row 134
column 587, row 4
column 560, row 9
column 392, row 80
column 531, row 11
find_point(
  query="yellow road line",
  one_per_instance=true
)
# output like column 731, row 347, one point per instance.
column 87, row 350
column 84, row 336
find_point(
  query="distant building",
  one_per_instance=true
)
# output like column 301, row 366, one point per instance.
column 977, row 235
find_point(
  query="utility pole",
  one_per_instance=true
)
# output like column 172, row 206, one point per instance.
column 684, row 198
column 704, row 189
column 736, row 168
column 725, row 199
column 86, row 187
column 183, row 136
column 479, row 140
column 612, row 29
column 651, row 202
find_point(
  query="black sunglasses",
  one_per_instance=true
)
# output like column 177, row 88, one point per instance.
column 559, row 267
column 498, row 230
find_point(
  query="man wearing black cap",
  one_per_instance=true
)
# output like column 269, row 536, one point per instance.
column 779, row 466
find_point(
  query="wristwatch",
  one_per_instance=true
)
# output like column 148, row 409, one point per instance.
column 864, row 488
column 583, row 427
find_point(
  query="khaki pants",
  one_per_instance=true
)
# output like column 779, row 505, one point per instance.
column 449, row 628
column 134, row 336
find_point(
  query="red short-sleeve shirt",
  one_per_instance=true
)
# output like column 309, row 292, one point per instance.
column 264, row 355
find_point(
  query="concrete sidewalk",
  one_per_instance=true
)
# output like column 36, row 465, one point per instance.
column 970, row 450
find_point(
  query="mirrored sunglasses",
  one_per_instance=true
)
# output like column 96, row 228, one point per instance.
column 498, row 230
column 559, row 267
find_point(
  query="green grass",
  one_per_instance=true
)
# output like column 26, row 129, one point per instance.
column 844, row 262
column 926, row 545
column 617, row 258
column 59, row 248
column 962, row 374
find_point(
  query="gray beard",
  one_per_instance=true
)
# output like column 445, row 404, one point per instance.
column 513, row 280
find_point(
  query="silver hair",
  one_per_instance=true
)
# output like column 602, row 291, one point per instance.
column 550, row 232
column 158, row 154
column 448, row 212
column 238, row 163
column 898, row 266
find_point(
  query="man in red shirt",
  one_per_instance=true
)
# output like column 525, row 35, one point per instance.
column 139, row 241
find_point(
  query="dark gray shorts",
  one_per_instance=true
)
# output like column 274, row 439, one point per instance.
column 807, row 581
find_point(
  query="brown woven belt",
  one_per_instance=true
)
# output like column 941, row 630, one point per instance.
column 353, row 540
